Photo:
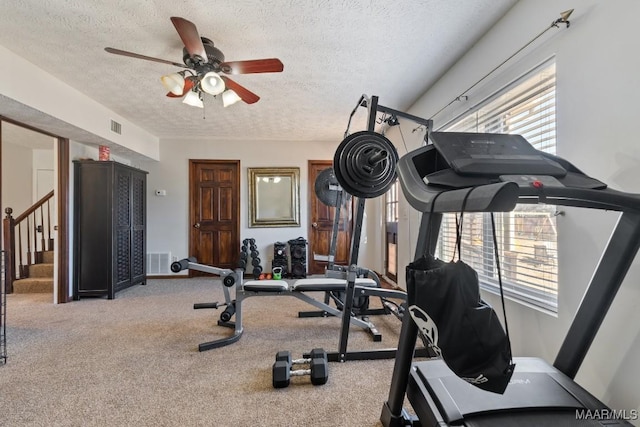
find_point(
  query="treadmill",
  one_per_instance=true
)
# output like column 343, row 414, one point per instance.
column 504, row 170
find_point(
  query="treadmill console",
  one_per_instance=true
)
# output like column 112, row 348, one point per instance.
column 493, row 154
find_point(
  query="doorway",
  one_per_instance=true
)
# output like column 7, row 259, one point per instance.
column 24, row 147
column 214, row 213
column 321, row 219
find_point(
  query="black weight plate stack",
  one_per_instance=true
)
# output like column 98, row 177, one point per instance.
column 298, row 255
column 280, row 258
column 365, row 164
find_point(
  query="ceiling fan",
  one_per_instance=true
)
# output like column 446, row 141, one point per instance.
column 203, row 65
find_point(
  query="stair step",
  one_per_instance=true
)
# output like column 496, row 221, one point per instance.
column 37, row 285
column 41, row 270
column 47, row 257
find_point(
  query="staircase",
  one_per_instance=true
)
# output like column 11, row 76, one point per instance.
column 28, row 244
column 39, row 278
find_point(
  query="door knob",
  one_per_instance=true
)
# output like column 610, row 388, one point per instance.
column 196, row 225
column 314, row 225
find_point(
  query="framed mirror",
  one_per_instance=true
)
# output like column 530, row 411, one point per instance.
column 274, row 197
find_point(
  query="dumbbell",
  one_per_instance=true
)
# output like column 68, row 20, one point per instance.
column 318, row 368
column 256, row 261
column 257, row 270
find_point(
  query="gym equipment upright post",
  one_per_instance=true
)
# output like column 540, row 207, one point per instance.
column 365, row 167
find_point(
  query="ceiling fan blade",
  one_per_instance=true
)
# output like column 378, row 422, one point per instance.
column 245, row 94
column 188, row 85
column 137, row 55
column 270, row 65
column 190, row 37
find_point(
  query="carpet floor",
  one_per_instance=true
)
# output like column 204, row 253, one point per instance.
column 134, row 361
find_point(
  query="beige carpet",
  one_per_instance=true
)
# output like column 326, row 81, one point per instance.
column 133, row 361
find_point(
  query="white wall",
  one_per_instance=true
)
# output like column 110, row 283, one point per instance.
column 16, row 169
column 43, row 172
column 597, row 93
column 24, row 82
column 168, row 216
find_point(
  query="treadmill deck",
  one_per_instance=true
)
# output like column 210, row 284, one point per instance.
column 537, row 393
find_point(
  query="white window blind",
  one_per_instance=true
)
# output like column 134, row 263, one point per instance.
column 391, row 202
column 527, row 236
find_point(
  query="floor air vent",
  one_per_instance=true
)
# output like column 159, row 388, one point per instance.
column 158, row 263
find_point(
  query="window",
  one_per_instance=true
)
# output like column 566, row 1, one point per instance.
column 391, row 231
column 527, row 236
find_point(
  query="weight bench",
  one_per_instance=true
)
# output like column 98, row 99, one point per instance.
column 363, row 287
column 297, row 289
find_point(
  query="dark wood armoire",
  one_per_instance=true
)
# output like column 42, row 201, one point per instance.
column 109, row 230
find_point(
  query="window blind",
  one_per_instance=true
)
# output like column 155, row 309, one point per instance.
column 527, row 236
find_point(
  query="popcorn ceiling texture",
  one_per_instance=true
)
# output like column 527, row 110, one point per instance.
column 333, row 52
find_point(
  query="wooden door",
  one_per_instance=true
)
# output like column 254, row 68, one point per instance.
column 321, row 218
column 214, row 200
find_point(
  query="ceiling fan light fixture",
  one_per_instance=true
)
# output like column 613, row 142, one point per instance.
column 194, row 99
column 174, row 83
column 212, row 83
column 230, row 97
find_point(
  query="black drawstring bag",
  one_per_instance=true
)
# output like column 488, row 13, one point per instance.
column 444, row 301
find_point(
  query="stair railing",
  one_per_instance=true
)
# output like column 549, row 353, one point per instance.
column 22, row 244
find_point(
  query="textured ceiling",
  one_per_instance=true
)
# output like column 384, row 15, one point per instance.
column 333, row 52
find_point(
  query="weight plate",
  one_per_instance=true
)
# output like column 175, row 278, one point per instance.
column 324, row 181
column 365, row 164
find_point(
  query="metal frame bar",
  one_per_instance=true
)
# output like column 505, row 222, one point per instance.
column 372, row 105
column 393, row 413
column 605, row 282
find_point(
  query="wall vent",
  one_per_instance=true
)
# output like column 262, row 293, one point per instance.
column 158, row 263
column 116, row 127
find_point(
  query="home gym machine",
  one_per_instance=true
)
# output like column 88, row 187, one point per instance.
column 491, row 173
column 364, row 166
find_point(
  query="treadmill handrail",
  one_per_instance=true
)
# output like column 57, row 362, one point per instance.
column 502, row 196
